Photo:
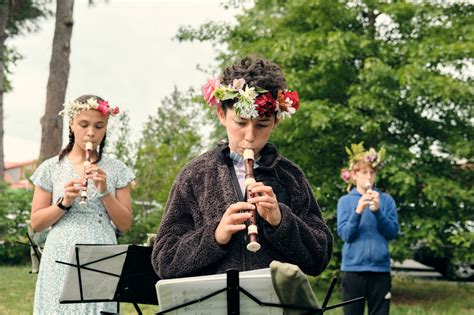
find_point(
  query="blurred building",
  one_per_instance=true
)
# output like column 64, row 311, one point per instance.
column 17, row 173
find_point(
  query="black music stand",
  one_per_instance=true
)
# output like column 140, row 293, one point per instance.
column 233, row 290
column 35, row 247
column 108, row 273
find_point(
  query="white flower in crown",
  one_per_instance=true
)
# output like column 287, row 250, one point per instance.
column 285, row 108
column 289, row 109
column 246, row 109
column 72, row 108
column 249, row 94
column 92, row 103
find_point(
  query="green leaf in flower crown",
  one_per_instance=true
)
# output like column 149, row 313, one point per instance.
column 356, row 151
column 349, row 152
column 229, row 95
column 260, row 90
column 380, row 156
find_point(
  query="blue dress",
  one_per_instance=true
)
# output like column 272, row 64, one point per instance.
column 80, row 225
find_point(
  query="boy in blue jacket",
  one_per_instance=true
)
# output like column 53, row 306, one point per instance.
column 366, row 221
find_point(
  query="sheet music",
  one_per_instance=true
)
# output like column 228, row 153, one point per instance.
column 173, row 292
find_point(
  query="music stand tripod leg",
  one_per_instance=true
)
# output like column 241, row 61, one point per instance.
column 233, row 298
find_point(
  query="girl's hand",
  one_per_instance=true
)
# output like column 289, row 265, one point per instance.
column 99, row 177
column 72, row 190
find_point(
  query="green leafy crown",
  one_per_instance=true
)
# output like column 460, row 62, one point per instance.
column 358, row 153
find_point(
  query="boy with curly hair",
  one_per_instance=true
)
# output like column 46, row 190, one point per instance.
column 203, row 230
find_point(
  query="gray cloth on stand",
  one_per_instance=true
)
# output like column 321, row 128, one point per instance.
column 292, row 287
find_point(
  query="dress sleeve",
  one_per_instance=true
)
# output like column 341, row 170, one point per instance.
column 124, row 175
column 42, row 176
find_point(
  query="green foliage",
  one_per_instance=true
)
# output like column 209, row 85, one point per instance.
column 15, row 205
column 169, row 140
column 24, row 17
column 392, row 74
column 119, row 144
column 11, row 57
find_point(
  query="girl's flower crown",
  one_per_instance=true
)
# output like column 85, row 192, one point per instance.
column 356, row 154
column 72, row 108
column 252, row 102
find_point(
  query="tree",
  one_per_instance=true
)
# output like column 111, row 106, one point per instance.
column 4, row 16
column 51, row 123
column 15, row 17
column 383, row 72
column 169, row 140
column 119, row 144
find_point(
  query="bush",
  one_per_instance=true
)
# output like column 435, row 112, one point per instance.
column 15, row 207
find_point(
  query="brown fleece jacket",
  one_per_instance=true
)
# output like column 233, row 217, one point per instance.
column 206, row 187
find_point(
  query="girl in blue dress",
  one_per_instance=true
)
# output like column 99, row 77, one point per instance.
column 58, row 184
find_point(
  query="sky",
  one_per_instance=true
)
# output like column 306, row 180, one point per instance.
column 121, row 50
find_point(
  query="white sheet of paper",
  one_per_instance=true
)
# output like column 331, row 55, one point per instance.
column 173, row 292
column 95, row 285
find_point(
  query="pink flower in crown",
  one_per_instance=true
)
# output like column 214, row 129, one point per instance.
column 115, row 111
column 238, row 84
column 208, row 92
column 371, row 156
column 103, row 107
column 345, row 174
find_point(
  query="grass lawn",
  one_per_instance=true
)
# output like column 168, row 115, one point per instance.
column 410, row 297
column 419, row 297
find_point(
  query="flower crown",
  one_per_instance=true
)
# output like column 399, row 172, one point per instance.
column 252, row 102
column 72, row 108
column 357, row 153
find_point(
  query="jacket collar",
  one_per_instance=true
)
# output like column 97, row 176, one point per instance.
column 269, row 156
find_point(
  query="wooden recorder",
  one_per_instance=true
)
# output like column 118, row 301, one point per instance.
column 87, row 162
column 252, row 230
column 369, row 191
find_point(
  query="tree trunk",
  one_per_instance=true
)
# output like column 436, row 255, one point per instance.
column 4, row 15
column 51, row 123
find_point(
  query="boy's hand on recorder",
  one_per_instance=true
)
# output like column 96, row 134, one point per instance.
column 232, row 221
column 267, row 204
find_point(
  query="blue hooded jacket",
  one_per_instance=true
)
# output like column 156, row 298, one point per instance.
column 366, row 235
